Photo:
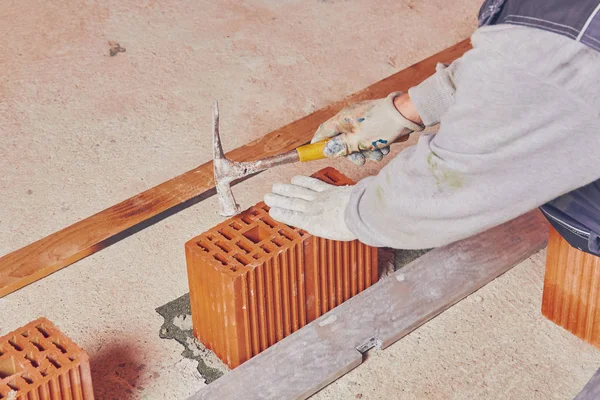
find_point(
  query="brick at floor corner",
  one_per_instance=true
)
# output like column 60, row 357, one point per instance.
column 37, row 361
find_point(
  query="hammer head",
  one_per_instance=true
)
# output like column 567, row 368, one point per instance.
column 225, row 171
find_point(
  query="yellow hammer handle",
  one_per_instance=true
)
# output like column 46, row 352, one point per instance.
column 311, row 152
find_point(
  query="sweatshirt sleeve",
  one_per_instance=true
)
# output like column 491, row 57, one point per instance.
column 435, row 95
column 518, row 127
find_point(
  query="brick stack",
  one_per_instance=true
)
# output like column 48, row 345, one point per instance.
column 254, row 281
column 38, row 362
column 571, row 296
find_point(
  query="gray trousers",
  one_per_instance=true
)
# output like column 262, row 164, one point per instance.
column 519, row 125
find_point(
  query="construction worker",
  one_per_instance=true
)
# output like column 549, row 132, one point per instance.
column 519, row 126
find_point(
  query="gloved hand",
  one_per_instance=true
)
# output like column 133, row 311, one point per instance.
column 365, row 130
column 312, row 205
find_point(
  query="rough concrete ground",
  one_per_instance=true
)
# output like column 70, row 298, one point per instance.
column 82, row 130
column 178, row 326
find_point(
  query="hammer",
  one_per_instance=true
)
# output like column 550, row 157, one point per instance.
column 226, row 171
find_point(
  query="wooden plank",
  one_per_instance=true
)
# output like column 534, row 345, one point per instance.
column 327, row 348
column 591, row 391
column 94, row 233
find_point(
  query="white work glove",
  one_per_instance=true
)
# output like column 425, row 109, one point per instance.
column 313, row 205
column 365, row 130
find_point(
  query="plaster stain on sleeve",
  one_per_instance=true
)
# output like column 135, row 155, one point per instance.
column 450, row 179
column 380, row 196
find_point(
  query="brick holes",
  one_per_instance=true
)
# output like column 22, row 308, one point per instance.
column 8, row 367
column 226, row 247
column 285, row 234
column 242, row 260
column 254, row 281
column 227, row 235
column 236, row 225
column 329, row 178
column 257, row 234
column 54, row 362
column 278, row 242
column 43, row 331
column 37, row 344
column 34, row 361
column 247, row 219
column 220, row 258
column 59, row 346
column 203, row 246
column 14, row 344
column 269, row 222
column 244, row 247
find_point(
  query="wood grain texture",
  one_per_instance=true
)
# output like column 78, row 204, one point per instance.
column 591, row 391
column 94, row 233
column 326, row 349
column 571, row 296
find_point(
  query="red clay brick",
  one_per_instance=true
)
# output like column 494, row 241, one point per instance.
column 254, row 281
column 38, row 362
column 571, row 296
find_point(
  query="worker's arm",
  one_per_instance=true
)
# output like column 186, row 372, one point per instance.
column 520, row 128
column 366, row 129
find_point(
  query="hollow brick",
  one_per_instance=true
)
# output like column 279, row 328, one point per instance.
column 571, row 296
column 39, row 362
column 254, row 281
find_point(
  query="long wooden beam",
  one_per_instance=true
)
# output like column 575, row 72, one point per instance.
column 94, row 233
column 327, row 348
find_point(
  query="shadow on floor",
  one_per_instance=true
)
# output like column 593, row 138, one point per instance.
column 116, row 372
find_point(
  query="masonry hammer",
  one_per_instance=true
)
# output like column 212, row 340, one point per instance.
column 226, row 171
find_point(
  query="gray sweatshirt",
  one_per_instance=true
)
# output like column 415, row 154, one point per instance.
column 519, row 119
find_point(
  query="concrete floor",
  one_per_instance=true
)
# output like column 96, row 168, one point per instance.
column 82, row 130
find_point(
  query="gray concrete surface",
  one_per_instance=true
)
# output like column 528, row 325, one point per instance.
column 178, row 326
column 82, row 130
